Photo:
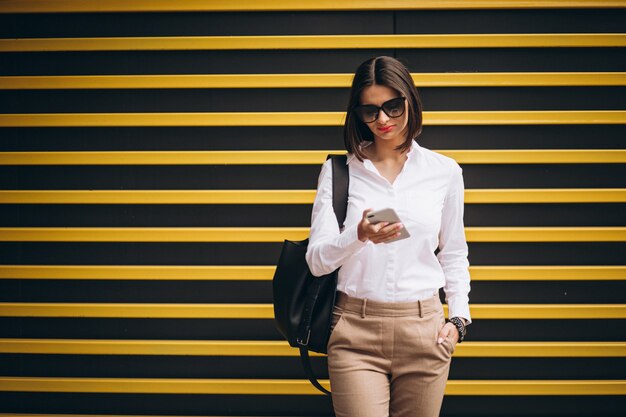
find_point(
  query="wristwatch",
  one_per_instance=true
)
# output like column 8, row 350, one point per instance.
column 460, row 326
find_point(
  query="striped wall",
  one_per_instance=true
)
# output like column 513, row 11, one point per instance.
column 154, row 155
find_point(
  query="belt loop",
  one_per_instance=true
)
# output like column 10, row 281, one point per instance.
column 419, row 306
column 363, row 308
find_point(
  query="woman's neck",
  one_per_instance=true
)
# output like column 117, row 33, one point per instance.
column 385, row 151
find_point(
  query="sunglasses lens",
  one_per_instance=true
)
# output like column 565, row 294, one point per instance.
column 392, row 108
column 395, row 107
column 367, row 114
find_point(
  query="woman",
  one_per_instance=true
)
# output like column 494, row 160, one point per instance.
column 390, row 348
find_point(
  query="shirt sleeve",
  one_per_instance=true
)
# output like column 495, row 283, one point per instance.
column 453, row 250
column 329, row 248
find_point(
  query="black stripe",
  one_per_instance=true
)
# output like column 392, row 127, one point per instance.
column 311, row 23
column 219, row 253
column 180, row 291
column 184, row 62
column 198, row 24
column 304, row 138
column 304, row 100
column 156, row 366
column 287, row 215
column 310, row 61
column 540, row 330
column 204, row 177
column 315, row 405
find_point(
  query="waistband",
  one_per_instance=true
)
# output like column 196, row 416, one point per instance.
column 364, row 307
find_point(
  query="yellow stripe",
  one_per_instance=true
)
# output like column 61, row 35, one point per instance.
column 143, row 272
column 545, row 234
column 450, row 118
column 491, row 156
column 282, row 348
column 278, row 234
column 548, row 195
column 191, row 119
column 152, row 234
column 194, row 196
column 472, row 196
column 539, row 349
column 186, row 43
column 266, row 273
column 96, row 6
column 536, row 156
column 485, row 79
column 266, row 311
column 88, row 415
column 547, row 273
column 297, row 387
column 130, row 310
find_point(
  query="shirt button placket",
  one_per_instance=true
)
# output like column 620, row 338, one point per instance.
column 391, row 255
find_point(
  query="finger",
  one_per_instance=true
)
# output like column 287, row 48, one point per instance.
column 367, row 210
column 372, row 230
column 386, row 232
column 443, row 333
column 392, row 227
column 392, row 234
column 391, row 237
column 377, row 237
column 382, row 238
column 376, row 228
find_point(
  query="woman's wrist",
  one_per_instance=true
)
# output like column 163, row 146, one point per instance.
column 360, row 234
column 459, row 323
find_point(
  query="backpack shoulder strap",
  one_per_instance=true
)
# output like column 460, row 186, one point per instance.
column 341, row 182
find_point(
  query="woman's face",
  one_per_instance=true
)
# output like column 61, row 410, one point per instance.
column 385, row 128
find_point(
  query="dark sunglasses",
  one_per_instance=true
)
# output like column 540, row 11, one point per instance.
column 368, row 113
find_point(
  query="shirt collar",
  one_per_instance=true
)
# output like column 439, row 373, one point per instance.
column 412, row 150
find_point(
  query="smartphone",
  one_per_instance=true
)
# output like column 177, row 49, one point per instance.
column 388, row 215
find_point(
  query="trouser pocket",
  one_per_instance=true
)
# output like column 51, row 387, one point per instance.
column 336, row 316
column 447, row 342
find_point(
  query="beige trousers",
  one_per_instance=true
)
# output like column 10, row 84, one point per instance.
column 384, row 359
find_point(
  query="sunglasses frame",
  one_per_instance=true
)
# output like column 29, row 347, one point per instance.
column 378, row 109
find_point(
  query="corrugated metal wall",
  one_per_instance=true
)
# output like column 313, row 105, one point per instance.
column 154, row 155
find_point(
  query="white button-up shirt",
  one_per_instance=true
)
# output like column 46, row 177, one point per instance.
column 428, row 197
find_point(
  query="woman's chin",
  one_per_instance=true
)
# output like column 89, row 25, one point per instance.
column 389, row 137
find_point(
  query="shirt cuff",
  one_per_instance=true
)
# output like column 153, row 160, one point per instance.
column 349, row 239
column 459, row 309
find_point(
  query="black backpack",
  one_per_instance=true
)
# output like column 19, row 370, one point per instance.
column 303, row 303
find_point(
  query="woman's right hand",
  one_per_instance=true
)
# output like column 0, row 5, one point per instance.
column 379, row 232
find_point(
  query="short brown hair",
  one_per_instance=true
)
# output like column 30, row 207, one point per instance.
column 390, row 72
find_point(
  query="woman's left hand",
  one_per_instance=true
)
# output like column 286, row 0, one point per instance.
column 449, row 330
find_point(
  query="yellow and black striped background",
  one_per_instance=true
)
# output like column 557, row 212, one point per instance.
column 154, row 155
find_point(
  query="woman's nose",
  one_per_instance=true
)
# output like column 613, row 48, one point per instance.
column 382, row 117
